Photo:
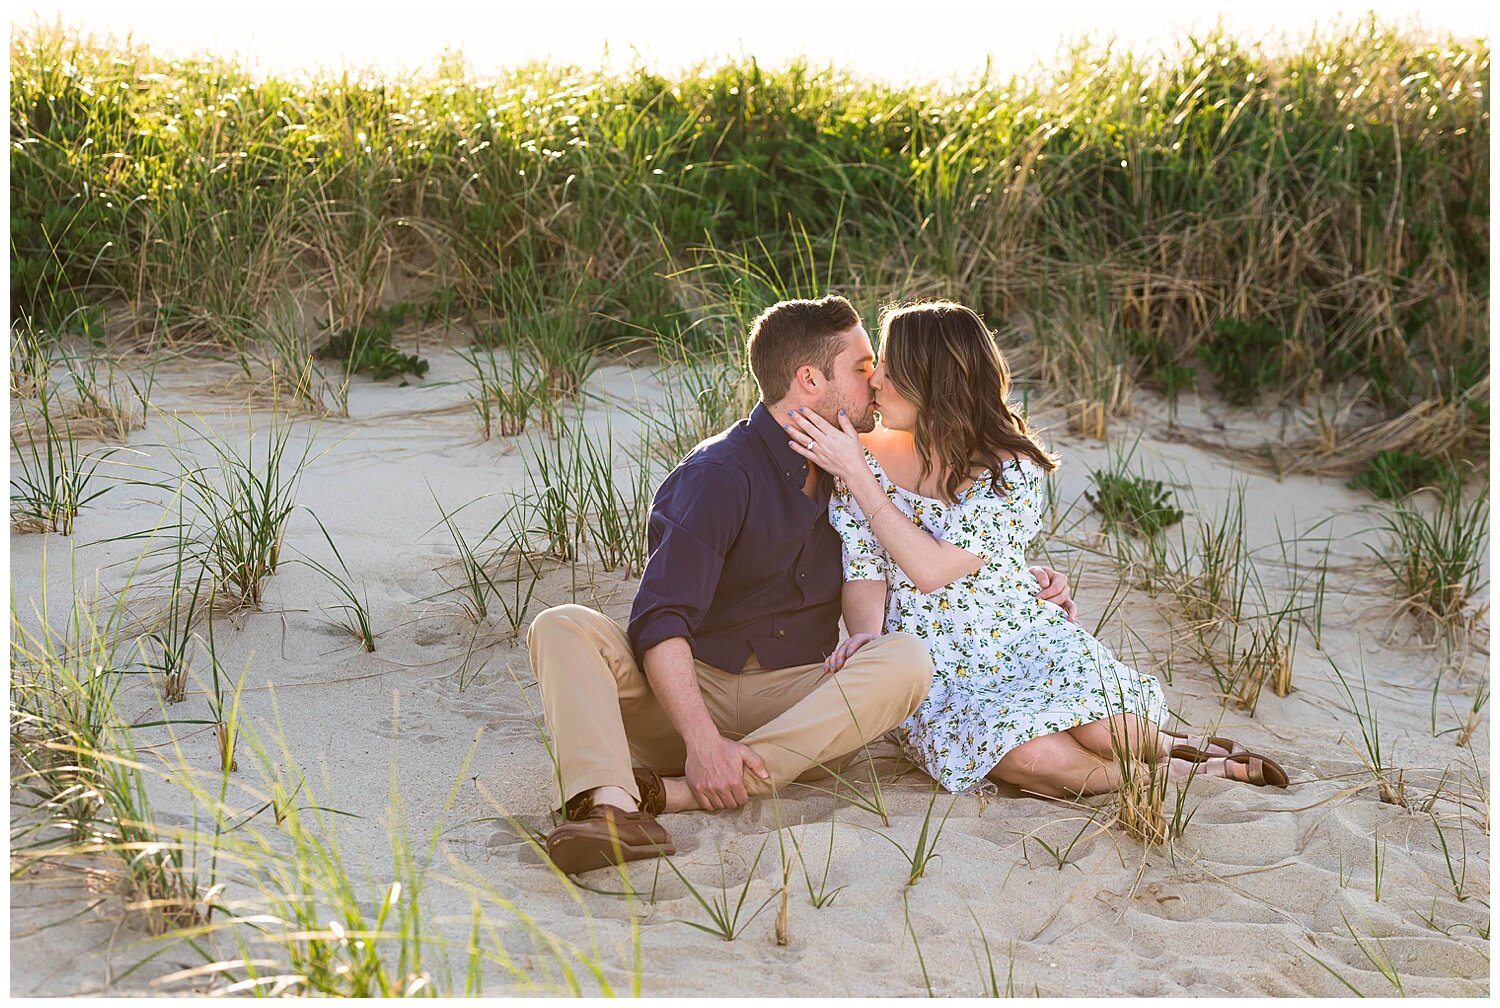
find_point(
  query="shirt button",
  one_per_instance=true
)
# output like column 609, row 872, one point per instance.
column 780, row 633
column 803, row 575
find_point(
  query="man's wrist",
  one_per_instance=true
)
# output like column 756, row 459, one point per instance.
column 701, row 738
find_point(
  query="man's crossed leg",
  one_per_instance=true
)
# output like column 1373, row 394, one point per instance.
column 609, row 731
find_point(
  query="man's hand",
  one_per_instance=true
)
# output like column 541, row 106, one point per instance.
column 714, row 774
column 845, row 650
column 1054, row 589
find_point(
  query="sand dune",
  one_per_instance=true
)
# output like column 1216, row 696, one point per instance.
column 1262, row 885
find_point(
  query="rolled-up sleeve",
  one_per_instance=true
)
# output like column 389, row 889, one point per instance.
column 697, row 514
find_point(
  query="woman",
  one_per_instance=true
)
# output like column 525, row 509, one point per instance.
column 935, row 508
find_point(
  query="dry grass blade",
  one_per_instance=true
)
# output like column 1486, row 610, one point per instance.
column 1431, row 427
column 1390, row 782
column 1140, row 803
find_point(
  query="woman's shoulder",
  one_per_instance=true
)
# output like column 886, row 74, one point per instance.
column 889, row 447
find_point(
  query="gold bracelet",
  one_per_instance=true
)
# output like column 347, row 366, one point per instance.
column 870, row 518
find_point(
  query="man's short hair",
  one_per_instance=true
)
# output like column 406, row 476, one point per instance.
column 789, row 334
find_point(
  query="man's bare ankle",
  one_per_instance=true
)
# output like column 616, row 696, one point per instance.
column 679, row 796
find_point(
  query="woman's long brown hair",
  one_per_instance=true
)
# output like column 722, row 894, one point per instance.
column 941, row 358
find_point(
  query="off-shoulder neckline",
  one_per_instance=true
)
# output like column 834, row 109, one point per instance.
column 982, row 475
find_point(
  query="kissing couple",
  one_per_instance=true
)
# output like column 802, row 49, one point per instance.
column 900, row 496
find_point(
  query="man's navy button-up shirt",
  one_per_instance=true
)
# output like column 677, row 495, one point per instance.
column 740, row 557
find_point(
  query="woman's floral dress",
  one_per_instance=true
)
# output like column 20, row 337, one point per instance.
column 1008, row 667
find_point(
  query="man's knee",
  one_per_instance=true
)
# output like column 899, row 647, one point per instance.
column 569, row 618
column 910, row 666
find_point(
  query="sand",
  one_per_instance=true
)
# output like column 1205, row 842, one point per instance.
column 1263, row 884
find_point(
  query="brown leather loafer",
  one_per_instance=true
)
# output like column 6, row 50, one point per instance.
column 653, row 791
column 606, row 836
column 647, row 781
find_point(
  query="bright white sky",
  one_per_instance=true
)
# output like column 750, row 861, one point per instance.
column 915, row 40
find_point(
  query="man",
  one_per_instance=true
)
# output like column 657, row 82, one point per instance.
column 723, row 676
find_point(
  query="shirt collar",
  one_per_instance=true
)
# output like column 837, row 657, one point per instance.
column 778, row 441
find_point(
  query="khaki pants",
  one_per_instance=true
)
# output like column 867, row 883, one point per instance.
column 604, row 719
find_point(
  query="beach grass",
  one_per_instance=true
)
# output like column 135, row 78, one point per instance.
column 1436, row 556
column 355, row 605
column 704, row 392
column 476, row 583
column 989, row 981
column 172, row 643
column 53, row 476
column 289, row 913
column 1241, row 623
column 76, row 772
column 916, row 943
column 725, row 906
column 1060, row 852
column 238, row 505
column 1374, row 750
column 1214, row 198
column 279, row 361
column 923, row 851
column 507, row 385
column 819, row 894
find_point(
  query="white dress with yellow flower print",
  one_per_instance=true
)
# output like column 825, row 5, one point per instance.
column 1007, row 667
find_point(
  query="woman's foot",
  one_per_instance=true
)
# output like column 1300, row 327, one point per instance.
column 1262, row 771
column 1177, row 769
column 1213, row 745
column 1252, row 770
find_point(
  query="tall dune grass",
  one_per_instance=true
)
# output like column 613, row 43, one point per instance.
column 1331, row 198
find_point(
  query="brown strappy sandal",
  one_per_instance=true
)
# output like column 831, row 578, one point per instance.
column 1229, row 745
column 1259, row 770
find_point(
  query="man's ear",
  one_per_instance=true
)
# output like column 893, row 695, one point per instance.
column 808, row 378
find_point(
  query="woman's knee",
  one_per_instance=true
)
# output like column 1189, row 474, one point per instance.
column 1135, row 726
column 1121, row 733
column 1038, row 760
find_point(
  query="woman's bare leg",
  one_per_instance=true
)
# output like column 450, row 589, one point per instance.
column 1056, row 766
column 1137, row 735
column 1123, row 733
